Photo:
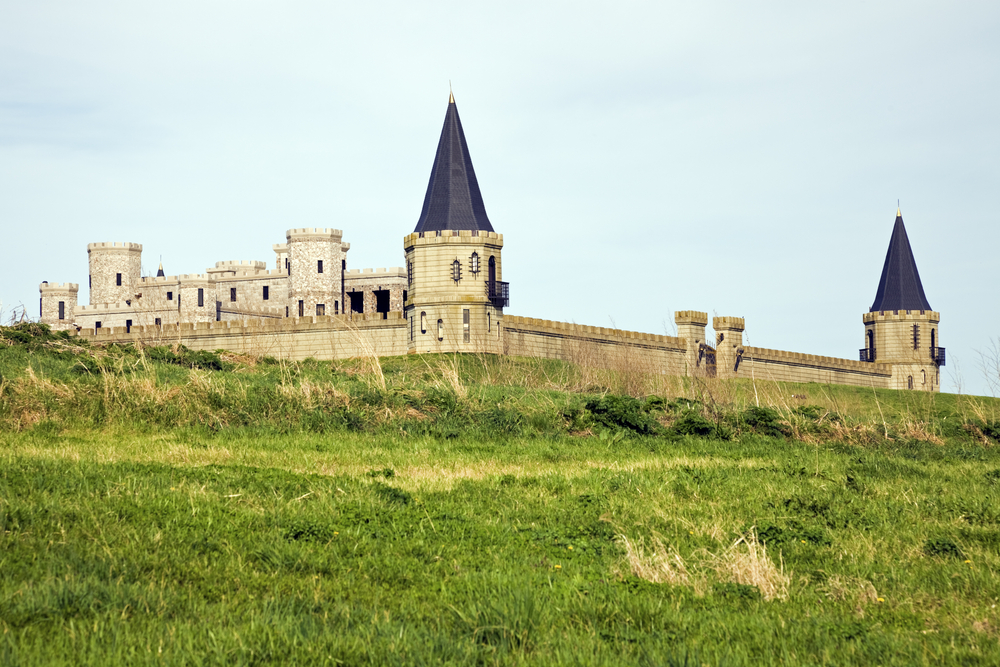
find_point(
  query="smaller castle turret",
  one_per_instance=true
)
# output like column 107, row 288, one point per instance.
column 728, row 345
column 317, row 259
column 57, row 304
column 900, row 328
column 455, row 292
column 115, row 269
column 691, row 326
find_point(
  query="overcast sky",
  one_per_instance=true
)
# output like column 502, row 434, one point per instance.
column 639, row 157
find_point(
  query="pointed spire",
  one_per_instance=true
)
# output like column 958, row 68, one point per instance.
column 453, row 200
column 900, row 287
column 159, row 272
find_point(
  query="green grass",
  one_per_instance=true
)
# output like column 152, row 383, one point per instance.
column 476, row 511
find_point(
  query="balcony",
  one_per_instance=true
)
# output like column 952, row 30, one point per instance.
column 867, row 354
column 498, row 293
column 937, row 354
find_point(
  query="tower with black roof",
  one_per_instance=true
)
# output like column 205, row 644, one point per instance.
column 901, row 328
column 455, row 292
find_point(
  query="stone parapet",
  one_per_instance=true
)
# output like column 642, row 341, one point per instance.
column 900, row 316
column 695, row 317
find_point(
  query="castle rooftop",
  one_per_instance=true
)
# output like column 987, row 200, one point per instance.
column 453, row 200
column 900, row 287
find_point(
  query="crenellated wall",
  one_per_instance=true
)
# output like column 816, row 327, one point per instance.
column 323, row 337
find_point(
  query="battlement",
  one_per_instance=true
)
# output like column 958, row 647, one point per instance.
column 115, row 245
column 786, row 358
column 240, row 264
column 59, row 287
column 252, row 275
column 314, row 233
column 513, row 322
column 394, row 272
column 728, row 323
column 195, row 278
column 121, row 306
column 691, row 317
column 159, row 280
column 460, row 236
column 901, row 316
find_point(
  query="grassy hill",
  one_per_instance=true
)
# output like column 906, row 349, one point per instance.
column 168, row 507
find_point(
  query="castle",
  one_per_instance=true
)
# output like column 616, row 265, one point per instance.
column 450, row 297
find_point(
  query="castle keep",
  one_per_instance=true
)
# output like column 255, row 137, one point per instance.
column 450, row 297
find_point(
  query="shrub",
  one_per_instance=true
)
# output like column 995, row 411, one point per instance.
column 623, row 412
column 764, row 421
column 693, row 423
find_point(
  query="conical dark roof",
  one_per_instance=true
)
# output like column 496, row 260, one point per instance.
column 453, row 200
column 900, row 288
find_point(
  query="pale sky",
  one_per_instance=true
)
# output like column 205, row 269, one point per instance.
column 639, row 157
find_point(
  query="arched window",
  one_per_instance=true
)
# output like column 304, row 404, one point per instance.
column 909, row 382
column 456, row 270
column 423, row 322
column 492, row 271
column 923, row 377
column 489, row 322
column 474, row 263
column 871, row 345
column 440, row 329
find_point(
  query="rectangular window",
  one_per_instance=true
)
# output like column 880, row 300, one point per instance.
column 288, row 266
column 232, row 294
column 286, row 311
column 201, row 297
column 170, row 296
column 336, row 307
column 320, row 309
column 118, row 279
column 465, row 325
column 90, row 282
column 302, row 308
column 158, row 321
column 97, row 325
column 412, row 318
column 319, row 266
column 916, row 336
column 62, row 310
column 423, row 322
column 266, row 295
column 128, row 326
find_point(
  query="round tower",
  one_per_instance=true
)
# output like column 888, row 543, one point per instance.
column 115, row 269
column 57, row 304
column 317, row 258
column 455, row 293
column 900, row 328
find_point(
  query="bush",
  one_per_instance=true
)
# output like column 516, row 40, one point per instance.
column 182, row 356
column 693, row 423
column 623, row 412
column 764, row 421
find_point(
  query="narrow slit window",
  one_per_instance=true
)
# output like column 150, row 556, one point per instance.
column 267, row 293
column 916, row 336
column 423, row 323
column 456, row 270
column 319, row 266
column 201, row 297
column 62, row 310
column 302, row 308
column 466, row 334
column 232, row 294
column 440, row 329
column 118, row 279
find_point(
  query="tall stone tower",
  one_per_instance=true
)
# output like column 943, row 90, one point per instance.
column 900, row 328
column 317, row 258
column 115, row 269
column 455, row 295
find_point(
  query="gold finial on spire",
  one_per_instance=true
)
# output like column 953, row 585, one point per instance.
column 899, row 213
column 451, row 95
